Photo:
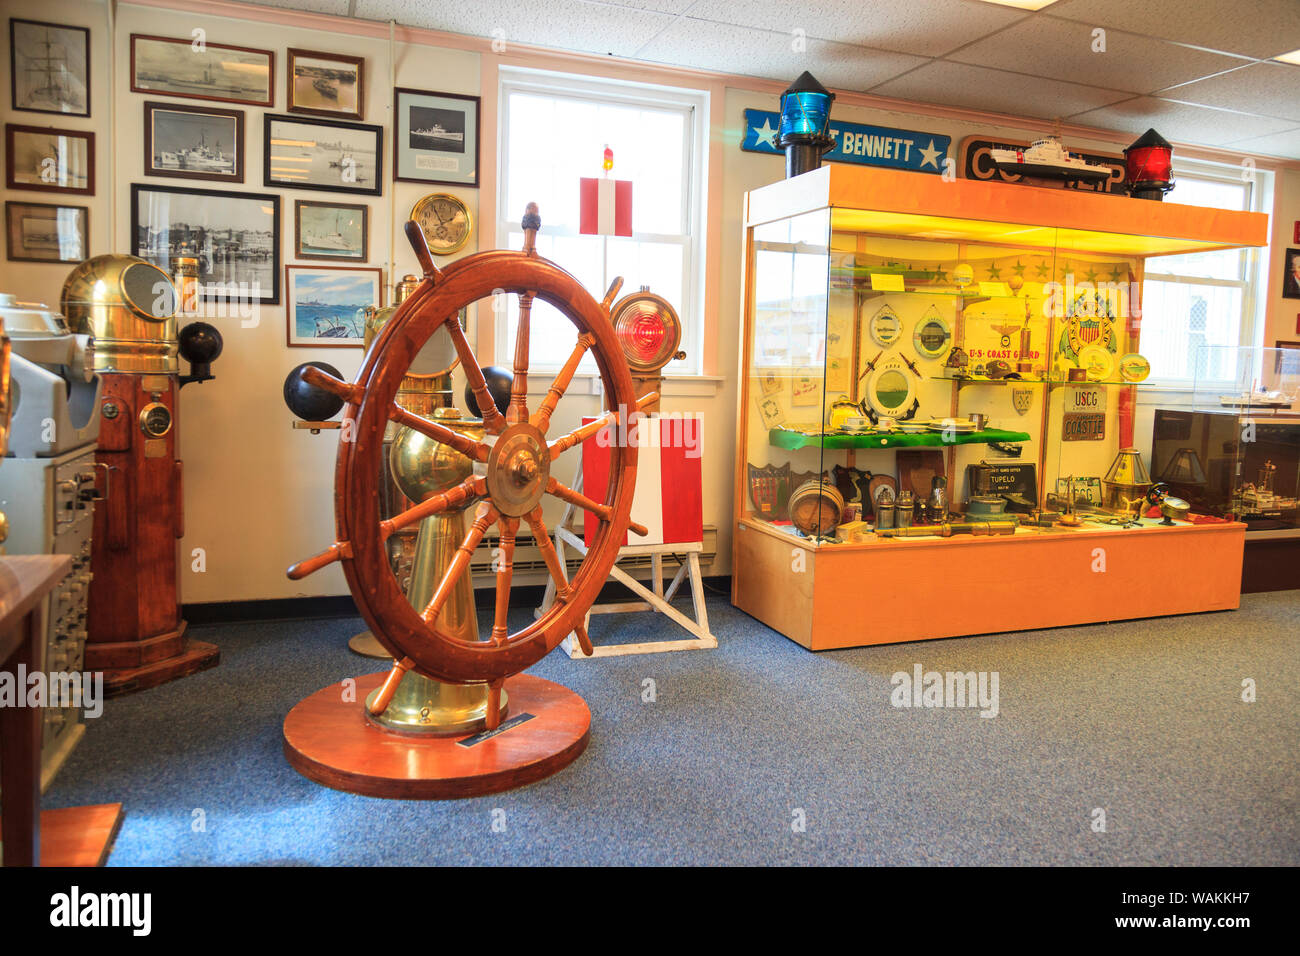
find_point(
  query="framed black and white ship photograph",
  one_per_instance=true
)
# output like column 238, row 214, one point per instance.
column 193, row 142
column 49, row 160
column 202, row 71
column 41, row 232
column 436, row 138
column 323, row 154
column 49, row 67
column 235, row 237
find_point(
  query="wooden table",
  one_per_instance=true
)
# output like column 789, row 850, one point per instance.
column 84, row 833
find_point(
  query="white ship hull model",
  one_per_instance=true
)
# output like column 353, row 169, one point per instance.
column 1046, row 158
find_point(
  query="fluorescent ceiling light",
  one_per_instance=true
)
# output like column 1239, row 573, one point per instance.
column 1022, row 4
column 1292, row 57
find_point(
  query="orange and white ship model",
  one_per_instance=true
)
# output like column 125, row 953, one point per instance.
column 1046, row 158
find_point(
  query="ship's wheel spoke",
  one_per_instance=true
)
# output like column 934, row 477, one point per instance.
column 505, row 571
column 474, row 450
column 562, row 589
column 389, row 686
column 603, row 512
column 492, row 417
column 475, row 486
column 542, row 420
column 347, row 391
column 483, row 520
column 582, row 433
column 518, row 410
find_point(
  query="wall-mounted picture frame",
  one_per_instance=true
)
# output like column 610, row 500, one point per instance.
column 202, row 71
column 49, row 67
column 43, row 232
column 234, row 235
column 329, row 155
column 193, row 142
column 325, row 305
column 49, row 160
column 331, row 230
column 435, row 138
column 1291, row 278
column 325, row 84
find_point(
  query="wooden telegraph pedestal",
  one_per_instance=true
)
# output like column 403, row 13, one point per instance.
column 135, row 632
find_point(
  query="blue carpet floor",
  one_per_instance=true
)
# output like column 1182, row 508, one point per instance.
column 1143, row 720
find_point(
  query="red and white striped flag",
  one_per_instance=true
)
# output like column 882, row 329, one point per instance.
column 669, row 497
column 605, row 207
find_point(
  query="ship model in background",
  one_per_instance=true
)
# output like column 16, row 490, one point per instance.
column 1047, row 158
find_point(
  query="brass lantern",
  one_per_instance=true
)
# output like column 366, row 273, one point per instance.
column 649, row 331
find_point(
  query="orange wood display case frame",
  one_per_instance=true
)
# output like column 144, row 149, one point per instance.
column 924, row 588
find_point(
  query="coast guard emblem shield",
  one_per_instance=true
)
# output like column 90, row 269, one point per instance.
column 1022, row 399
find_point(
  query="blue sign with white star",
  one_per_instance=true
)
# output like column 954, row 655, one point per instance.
column 857, row 143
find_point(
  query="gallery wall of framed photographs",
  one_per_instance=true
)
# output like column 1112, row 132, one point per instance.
column 152, row 138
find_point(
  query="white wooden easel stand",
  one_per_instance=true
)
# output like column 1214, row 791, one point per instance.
column 656, row 600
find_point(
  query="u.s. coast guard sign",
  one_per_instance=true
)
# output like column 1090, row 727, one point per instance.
column 857, row 143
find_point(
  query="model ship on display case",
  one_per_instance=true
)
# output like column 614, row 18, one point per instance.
column 1258, row 502
column 1046, row 158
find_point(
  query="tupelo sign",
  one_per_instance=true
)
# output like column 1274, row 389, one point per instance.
column 976, row 162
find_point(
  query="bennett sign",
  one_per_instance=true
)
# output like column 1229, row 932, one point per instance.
column 856, row 143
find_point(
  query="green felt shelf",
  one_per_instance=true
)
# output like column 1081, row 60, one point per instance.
column 793, row 440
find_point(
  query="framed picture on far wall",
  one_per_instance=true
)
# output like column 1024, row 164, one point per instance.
column 302, row 153
column 328, row 230
column 50, row 160
column 208, row 71
column 40, row 232
column 326, row 304
column 193, row 142
column 235, row 236
column 1291, row 280
column 326, row 84
column 436, row 138
column 49, row 67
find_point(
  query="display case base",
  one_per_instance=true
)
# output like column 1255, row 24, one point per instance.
column 894, row 591
column 328, row 739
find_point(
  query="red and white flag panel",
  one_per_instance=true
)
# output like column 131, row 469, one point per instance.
column 605, row 207
column 669, row 497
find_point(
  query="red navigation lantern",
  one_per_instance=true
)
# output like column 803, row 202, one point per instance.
column 1149, row 167
column 649, row 332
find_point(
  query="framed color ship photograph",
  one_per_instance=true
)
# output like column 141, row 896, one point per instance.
column 436, row 138
column 327, row 230
column 49, row 160
column 326, row 84
column 300, row 153
column 202, row 71
column 327, row 305
column 193, row 142
column 49, row 67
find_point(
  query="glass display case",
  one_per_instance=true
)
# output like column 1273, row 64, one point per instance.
column 951, row 363
column 1236, row 452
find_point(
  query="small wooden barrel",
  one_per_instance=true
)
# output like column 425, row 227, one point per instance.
column 816, row 507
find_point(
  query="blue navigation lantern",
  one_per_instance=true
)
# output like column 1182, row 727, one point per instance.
column 805, row 124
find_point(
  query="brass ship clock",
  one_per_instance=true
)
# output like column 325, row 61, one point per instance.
column 445, row 222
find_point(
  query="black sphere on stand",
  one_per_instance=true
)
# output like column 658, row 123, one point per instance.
column 310, row 402
column 499, row 381
column 199, row 344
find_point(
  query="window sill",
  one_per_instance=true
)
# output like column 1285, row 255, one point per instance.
column 674, row 386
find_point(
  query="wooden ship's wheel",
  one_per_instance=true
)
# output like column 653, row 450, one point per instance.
column 516, row 456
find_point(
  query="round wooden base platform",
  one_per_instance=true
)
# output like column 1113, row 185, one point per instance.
column 329, row 740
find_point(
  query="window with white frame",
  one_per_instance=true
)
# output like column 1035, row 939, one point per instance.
column 1206, row 298
column 554, row 129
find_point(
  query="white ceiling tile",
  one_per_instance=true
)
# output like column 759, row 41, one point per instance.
column 1270, row 89
column 1278, row 144
column 1260, row 28
column 561, row 24
column 929, row 28
column 714, row 46
column 1063, row 50
column 974, row 87
column 1180, row 122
